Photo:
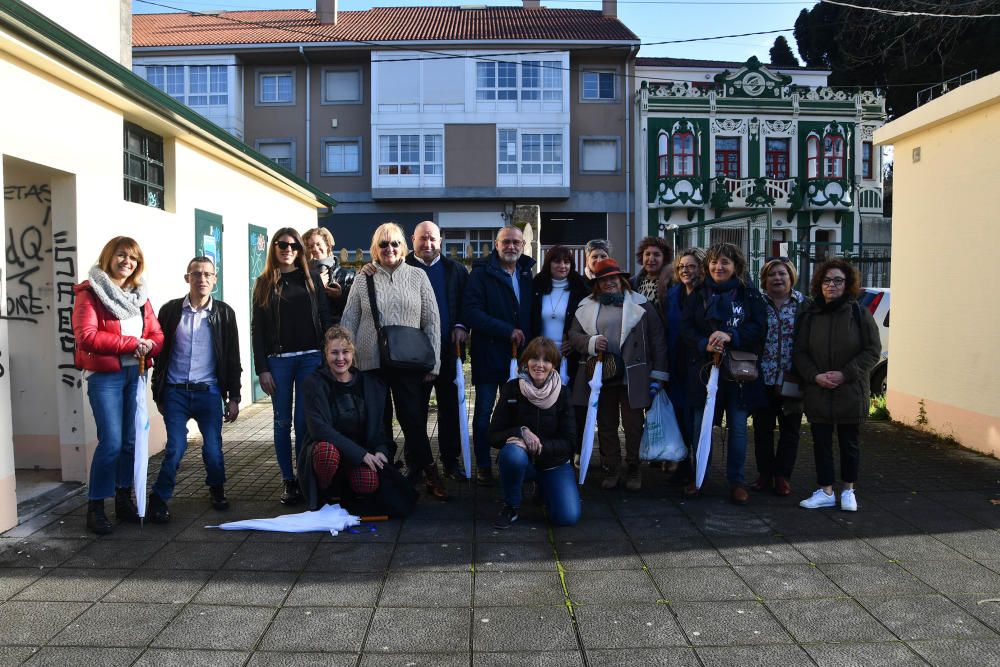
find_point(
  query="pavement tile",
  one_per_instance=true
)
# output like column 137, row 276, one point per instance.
column 778, row 655
column 728, row 623
column 34, row 623
column 405, row 630
column 926, row 617
column 725, row 523
column 335, row 629
column 532, row 659
column 958, row 653
column 525, row 530
column 168, row 657
column 635, row 506
column 793, row 521
column 874, row 523
column 834, row 620
column 701, row 584
column 15, row 579
column 215, row 627
column 37, row 552
column 611, row 587
column 590, row 530
column 763, row 550
column 378, row 531
column 340, row 589
column 872, row 579
column 682, row 552
column 512, row 556
column 15, row 655
column 73, row 585
column 289, row 659
column 887, row 654
column 266, row 589
column 415, row 660
column 196, row 531
column 643, row 657
column 59, row 656
column 177, row 586
column 192, row 556
column 658, row 528
column 263, row 537
column 427, row 589
column 147, row 530
column 628, row 626
column 522, row 629
column 349, row 557
column 441, row 531
column 850, row 550
column 271, row 557
column 115, row 554
column 33, row 525
column 580, row 555
column 976, row 544
column 962, row 576
column 495, row 589
column 787, row 582
column 433, row 557
column 906, row 548
column 117, row 624
column 986, row 609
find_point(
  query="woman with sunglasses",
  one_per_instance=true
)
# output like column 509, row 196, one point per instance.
column 836, row 347
column 404, row 297
column 290, row 314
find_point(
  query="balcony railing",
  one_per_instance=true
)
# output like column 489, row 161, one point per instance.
column 759, row 192
column 870, row 199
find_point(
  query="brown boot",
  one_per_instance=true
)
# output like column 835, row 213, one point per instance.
column 691, row 490
column 432, row 480
column 782, row 487
column 738, row 495
column 763, row 483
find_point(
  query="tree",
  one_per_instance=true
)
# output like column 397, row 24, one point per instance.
column 781, row 53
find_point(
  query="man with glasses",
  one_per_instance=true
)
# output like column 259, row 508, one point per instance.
column 199, row 371
column 497, row 308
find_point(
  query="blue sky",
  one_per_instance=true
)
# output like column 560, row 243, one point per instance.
column 651, row 20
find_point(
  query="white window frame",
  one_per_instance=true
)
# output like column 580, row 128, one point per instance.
column 344, row 141
column 290, row 141
column 618, row 160
column 392, row 139
column 178, row 81
column 326, row 91
column 548, row 96
column 259, row 93
column 599, row 72
column 545, row 145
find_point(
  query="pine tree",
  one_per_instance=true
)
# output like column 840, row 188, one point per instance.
column 781, row 53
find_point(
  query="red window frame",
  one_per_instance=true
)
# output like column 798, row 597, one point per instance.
column 812, row 157
column 867, row 159
column 834, row 156
column 683, row 154
column 727, row 161
column 776, row 161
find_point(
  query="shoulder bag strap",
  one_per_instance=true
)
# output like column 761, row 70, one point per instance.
column 862, row 329
column 371, row 300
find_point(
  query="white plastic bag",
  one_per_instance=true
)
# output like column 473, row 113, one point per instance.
column 661, row 438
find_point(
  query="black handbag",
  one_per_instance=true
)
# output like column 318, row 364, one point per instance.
column 739, row 366
column 401, row 348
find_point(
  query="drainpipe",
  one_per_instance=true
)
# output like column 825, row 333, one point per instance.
column 628, row 154
column 302, row 52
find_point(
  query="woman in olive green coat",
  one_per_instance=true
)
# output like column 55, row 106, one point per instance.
column 836, row 347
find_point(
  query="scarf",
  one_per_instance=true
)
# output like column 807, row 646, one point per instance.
column 543, row 397
column 720, row 303
column 613, row 299
column 122, row 304
column 830, row 306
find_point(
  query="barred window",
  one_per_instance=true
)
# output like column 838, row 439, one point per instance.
column 143, row 166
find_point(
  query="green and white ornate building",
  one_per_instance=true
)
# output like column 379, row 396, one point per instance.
column 718, row 139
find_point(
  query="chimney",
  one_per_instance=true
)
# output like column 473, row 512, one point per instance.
column 125, row 32
column 532, row 4
column 326, row 11
column 610, row 9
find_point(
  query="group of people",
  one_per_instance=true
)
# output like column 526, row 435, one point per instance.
column 340, row 353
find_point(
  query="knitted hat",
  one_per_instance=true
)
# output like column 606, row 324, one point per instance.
column 608, row 267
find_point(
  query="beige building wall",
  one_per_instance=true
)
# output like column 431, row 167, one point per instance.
column 945, row 311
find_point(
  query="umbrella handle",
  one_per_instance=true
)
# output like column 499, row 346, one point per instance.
column 716, row 358
column 142, row 365
column 458, row 350
column 513, row 349
column 600, row 357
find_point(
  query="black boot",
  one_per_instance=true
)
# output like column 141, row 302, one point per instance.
column 97, row 520
column 125, row 509
column 157, row 510
column 218, row 494
column 291, row 495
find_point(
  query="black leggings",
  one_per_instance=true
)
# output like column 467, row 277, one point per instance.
column 848, row 437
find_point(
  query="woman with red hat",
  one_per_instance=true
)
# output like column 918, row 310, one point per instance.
column 623, row 326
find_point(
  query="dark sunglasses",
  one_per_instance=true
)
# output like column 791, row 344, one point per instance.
column 385, row 244
column 285, row 245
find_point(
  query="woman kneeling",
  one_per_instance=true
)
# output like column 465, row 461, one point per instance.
column 348, row 451
column 534, row 428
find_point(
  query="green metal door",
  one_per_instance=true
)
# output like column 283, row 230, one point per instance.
column 208, row 243
column 257, row 258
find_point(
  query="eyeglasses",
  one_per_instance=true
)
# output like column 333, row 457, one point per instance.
column 837, row 282
column 198, row 275
column 687, row 268
column 513, row 242
column 285, row 245
column 385, row 244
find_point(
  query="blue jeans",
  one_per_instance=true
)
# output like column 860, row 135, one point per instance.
column 112, row 399
column 736, row 439
column 289, row 373
column 205, row 407
column 486, row 397
column 558, row 485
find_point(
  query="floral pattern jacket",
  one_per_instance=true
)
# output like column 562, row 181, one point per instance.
column 776, row 359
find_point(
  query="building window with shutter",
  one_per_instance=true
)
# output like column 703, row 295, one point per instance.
column 342, row 86
column 279, row 151
column 599, row 155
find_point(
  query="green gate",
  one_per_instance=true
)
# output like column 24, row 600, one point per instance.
column 208, row 243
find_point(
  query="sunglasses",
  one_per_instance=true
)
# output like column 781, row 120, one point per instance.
column 385, row 244
column 285, row 245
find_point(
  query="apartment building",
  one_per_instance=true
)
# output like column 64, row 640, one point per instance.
column 454, row 114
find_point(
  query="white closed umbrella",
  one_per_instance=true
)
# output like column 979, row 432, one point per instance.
column 333, row 518
column 140, row 464
column 513, row 361
column 463, row 413
column 708, row 417
column 590, row 426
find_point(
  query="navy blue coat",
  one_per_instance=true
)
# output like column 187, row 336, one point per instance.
column 492, row 312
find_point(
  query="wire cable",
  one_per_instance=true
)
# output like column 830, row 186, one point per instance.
column 908, row 13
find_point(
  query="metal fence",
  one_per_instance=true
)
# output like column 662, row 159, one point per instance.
column 873, row 260
column 749, row 231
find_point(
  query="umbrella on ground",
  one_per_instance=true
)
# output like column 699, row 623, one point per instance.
column 707, row 419
column 463, row 412
column 333, row 518
column 513, row 361
column 587, row 446
column 141, row 461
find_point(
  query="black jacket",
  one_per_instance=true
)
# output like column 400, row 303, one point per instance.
column 265, row 325
column 456, row 277
column 555, row 427
column 225, row 344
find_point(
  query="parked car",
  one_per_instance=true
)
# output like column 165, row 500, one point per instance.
column 876, row 300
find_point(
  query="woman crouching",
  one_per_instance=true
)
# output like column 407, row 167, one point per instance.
column 534, row 428
column 347, row 453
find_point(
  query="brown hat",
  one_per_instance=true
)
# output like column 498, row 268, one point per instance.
column 608, row 267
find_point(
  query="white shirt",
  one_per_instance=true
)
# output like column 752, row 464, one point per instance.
column 193, row 356
column 554, row 305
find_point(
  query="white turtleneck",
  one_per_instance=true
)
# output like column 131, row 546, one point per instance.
column 554, row 307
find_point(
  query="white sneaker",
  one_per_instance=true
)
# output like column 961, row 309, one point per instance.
column 818, row 499
column 848, row 502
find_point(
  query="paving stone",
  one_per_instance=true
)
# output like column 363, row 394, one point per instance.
column 620, row 587
column 289, row 659
column 889, row 654
column 267, row 589
column 15, row 579
column 33, row 525
column 701, row 584
column 637, row 657
column 192, row 556
column 628, row 626
column 787, row 582
column 682, row 552
column 533, row 659
column 957, row 577
column 443, row 531
column 15, row 655
column 433, row 557
column 403, row 630
column 848, row 550
column 167, row 657
column 427, row 589
column 271, row 557
column 907, row 548
column 522, row 629
column 317, row 629
column 73, row 585
column 37, row 552
column 415, row 660
column 215, row 627
column 117, row 624
column 147, row 530
column 788, row 521
column 983, row 543
column 941, row 520
column 511, row 556
column 926, row 617
column 591, row 530
column 196, row 530
column 728, row 623
column 263, row 537
column 630, row 505
column 349, row 557
column 873, row 579
column 657, row 528
column 985, row 608
column 725, row 523
column 340, row 589
column 115, row 554
column 525, row 530
column 377, row 531
column 958, row 653
column 778, row 655
column 496, row 589
column 57, row 656
column 877, row 523
column 578, row 555
column 177, row 586
column 763, row 550
column 34, row 623
column 834, row 620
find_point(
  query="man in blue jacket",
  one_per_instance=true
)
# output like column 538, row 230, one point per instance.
column 497, row 308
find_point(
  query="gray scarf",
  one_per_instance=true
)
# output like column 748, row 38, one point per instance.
column 122, row 304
